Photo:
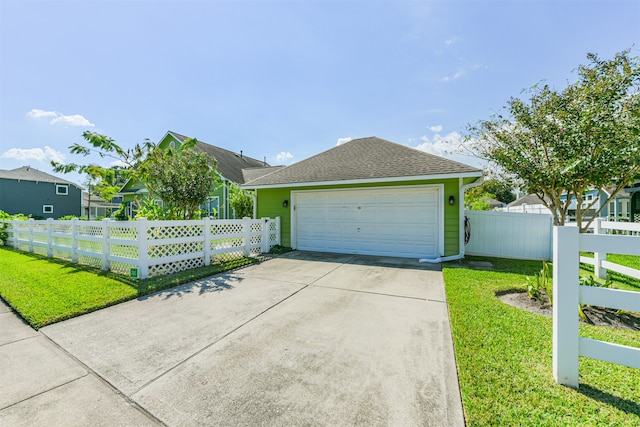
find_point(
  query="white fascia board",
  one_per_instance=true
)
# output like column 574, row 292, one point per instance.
column 369, row 180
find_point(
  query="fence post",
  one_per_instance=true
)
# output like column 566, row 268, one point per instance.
column 14, row 235
column 246, row 235
column 143, row 247
column 74, row 240
column 31, row 234
column 266, row 225
column 105, row 244
column 206, row 246
column 277, row 230
column 566, row 270
column 50, row 237
column 598, row 257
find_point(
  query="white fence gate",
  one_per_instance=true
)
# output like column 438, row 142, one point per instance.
column 568, row 293
column 510, row 235
column 145, row 248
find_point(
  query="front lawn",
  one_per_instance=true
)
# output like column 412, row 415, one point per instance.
column 46, row 291
column 505, row 362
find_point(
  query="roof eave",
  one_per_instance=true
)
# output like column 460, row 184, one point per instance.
column 476, row 174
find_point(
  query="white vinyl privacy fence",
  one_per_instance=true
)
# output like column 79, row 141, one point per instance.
column 510, row 235
column 145, row 248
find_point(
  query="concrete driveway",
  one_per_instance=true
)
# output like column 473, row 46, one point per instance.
column 303, row 339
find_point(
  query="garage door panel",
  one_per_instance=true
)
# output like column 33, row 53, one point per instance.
column 400, row 222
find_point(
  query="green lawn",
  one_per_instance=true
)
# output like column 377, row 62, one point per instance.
column 46, row 291
column 505, row 362
column 620, row 280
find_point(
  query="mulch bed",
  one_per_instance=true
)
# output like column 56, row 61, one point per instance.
column 599, row 316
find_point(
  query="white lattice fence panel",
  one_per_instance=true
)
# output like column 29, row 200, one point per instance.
column 159, row 232
column 123, row 232
column 124, row 251
column 90, row 246
column 273, row 233
column 62, row 254
column 90, row 260
column 62, row 227
column 40, row 250
column 121, row 267
column 173, row 249
column 174, row 267
column 90, row 230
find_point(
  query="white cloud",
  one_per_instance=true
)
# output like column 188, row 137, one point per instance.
column 45, row 154
column 441, row 145
column 343, row 140
column 74, row 120
column 461, row 72
column 452, row 146
column 436, row 128
column 41, row 114
column 450, row 41
column 284, row 157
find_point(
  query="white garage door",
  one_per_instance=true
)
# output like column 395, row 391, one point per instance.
column 390, row 221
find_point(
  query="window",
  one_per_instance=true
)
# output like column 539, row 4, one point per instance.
column 212, row 207
column 62, row 190
column 48, row 209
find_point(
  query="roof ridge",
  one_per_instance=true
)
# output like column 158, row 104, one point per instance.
column 214, row 146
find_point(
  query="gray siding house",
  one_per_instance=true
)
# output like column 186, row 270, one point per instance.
column 32, row 192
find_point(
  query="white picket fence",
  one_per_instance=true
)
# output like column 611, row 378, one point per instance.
column 144, row 248
column 568, row 293
column 510, row 235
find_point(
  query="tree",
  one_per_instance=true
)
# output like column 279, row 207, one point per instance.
column 181, row 178
column 558, row 145
column 476, row 199
column 500, row 190
column 105, row 181
column 240, row 202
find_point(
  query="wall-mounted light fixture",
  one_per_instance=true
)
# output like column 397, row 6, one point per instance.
column 452, row 200
column 285, row 204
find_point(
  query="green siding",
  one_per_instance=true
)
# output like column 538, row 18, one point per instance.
column 270, row 205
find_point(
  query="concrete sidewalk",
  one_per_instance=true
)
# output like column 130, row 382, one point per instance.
column 302, row 339
column 42, row 385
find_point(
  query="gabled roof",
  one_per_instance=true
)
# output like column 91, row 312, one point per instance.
column 529, row 199
column 365, row 160
column 27, row 173
column 254, row 173
column 230, row 164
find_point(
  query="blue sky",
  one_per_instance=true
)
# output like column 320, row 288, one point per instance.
column 282, row 79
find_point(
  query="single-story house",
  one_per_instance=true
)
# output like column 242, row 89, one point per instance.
column 232, row 168
column 370, row 196
column 29, row 191
column 530, row 203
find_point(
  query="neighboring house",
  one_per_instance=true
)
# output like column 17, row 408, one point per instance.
column 493, row 203
column 625, row 206
column 230, row 167
column 97, row 206
column 369, row 196
column 32, row 192
column 530, row 203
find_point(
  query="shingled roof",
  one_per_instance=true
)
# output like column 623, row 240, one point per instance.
column 27, row 173
column 368, row 159
column 230, row 164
